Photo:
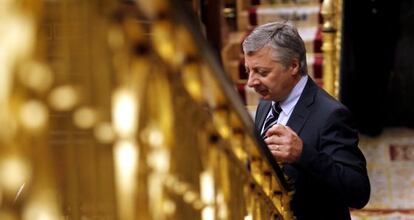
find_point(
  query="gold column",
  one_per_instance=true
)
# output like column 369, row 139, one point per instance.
column 331, row 32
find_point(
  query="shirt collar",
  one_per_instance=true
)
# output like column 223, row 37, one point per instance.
column 293, row 97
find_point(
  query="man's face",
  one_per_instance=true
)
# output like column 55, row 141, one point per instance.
column 269, row 77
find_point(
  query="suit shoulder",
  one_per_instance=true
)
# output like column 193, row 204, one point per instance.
column 329, row 103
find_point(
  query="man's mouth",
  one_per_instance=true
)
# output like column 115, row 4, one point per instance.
column 262, row 92
column 260, row 89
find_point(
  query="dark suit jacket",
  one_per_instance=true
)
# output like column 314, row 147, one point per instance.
column 331, row 174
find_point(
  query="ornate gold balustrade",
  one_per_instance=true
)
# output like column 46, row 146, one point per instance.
column 111, row 110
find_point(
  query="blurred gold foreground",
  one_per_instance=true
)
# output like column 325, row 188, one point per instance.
column 116, row 110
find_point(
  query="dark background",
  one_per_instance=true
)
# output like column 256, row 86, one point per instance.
column 377, row 69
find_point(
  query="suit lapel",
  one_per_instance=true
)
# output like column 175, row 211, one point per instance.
column 303, row 107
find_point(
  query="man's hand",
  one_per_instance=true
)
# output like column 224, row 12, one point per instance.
column 284, row 143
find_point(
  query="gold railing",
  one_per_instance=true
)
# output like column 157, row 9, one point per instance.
column 331, row 11
column 116, row 110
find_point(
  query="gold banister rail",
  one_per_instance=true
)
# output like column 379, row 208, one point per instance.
column 116, row 110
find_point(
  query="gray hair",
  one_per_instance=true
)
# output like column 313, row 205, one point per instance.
column 282, row 37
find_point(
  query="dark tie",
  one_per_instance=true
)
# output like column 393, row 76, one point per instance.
column 272, row 119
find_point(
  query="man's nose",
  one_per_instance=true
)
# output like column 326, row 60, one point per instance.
column 252, row 80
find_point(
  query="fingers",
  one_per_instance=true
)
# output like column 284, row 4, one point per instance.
column 276, row 129
column 274, row 147
column 276, row 135
column 283, row 154
column 280, row 155
column 276, row 151
column 274, row 139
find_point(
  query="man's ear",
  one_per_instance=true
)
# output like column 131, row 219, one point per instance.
column 295, row 66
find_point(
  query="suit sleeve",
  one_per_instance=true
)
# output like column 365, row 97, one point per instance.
column 338, row 162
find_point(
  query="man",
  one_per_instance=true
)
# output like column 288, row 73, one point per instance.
column 313, row 136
